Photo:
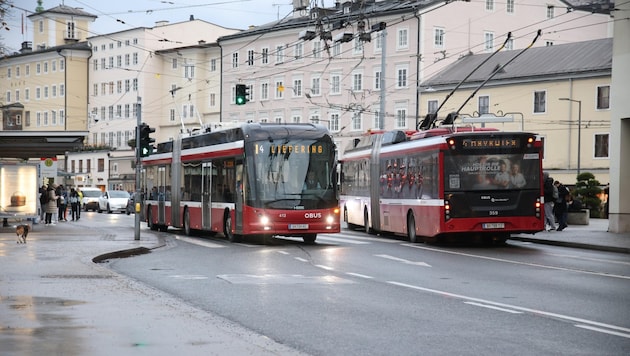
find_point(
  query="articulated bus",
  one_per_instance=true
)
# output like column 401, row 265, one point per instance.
column 465, row 183
column 251, row 180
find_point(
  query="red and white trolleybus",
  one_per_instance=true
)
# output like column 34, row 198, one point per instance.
column 471, row 183
column 254, row 179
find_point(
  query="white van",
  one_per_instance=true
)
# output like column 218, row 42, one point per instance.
column 90, row 198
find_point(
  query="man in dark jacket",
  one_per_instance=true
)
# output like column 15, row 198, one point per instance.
column 561, row 205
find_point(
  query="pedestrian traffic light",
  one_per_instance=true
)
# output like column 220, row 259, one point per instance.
column 242, row 94
column 146, row 141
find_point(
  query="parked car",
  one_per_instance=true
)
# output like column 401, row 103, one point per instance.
column 113, row 200
column 90, row 198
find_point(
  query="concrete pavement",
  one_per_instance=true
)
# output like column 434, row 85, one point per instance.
column 54, row 298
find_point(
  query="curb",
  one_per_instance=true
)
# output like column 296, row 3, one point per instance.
column 573, row 244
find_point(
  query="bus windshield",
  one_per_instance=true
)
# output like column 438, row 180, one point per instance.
column 293, row 174
column 491, row 172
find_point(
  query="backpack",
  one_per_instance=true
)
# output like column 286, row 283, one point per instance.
column 43, row 199
column 548, row 189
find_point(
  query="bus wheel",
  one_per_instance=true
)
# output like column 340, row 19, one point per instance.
column 366, row 223
column 309, row 238
column 227, row 228
column 411, row 228
column 186, row 222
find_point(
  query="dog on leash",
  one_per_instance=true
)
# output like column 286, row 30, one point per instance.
column 22, row 233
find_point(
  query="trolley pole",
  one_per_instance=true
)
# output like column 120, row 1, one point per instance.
column 137, row 195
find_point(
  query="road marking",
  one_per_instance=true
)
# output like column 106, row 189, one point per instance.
column 301, row 259
column 493, row 307
column 188, row 276
column 325, row 267
column 423, row 264
column 199, row 242
column 590, row 323
column 518, row 262
column 590, row 259
column 603, row 330
column 359, row 275
column 282, row 252
column 343, row 240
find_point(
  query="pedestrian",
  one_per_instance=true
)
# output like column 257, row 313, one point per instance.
column 560, row 205
column 550, row 194
column 62, row 202
column 43, row 200
column 51, row 205
column 74, row 203
column 80, row 194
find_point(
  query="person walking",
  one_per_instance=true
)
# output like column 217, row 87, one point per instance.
column 62, row 202
column 51, row 205
column 80, row 194
column 550, row 194
column 560, row 206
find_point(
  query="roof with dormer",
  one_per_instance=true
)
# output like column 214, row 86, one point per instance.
column 64, row 10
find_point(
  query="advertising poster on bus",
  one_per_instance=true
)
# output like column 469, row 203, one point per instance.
column 491, row 172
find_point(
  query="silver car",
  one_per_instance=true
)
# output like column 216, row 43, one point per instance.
column 113, row 200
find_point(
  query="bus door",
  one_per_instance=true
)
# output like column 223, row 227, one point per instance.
column 161, row 183
column 238, row 197
column 206, row 193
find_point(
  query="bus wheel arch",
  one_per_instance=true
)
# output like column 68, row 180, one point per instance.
column 227, row 227
column 411, row 227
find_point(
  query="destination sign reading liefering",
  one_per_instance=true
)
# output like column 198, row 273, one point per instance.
column 295, row 149
column 478, row 143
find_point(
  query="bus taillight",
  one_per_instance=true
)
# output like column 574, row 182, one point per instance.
column 538, row 204
column 451, row 144
column 447, row 210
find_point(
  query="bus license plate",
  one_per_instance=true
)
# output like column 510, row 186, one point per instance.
column 298, row 226
column 493, row 226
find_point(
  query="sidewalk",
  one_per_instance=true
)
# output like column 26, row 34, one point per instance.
column 594, row 236
column 55, row 300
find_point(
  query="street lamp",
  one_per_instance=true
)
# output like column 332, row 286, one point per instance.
column 579, row 129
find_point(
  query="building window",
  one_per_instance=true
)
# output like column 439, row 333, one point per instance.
column 279, row 89
column 357, row 81
column 317, row 49
column 357, row 121
column 316, row 86
column 297, row 88
column 213, row 65
column 509, row 44
column 488, row 41
column 335, row 83
column 62, row 90
column 235, row 60
column 264, row 91
column 438, row 37
column 250, row 57
column 540, row 102
column 401, row 118
column 601, row 146
column 333, row 124
column 509, row 7
column 550, row 11
column 603, row 97
column 174, row 63
column 357, row 46
column 336, row 49
column 432, row 106
column 299, row 50
column 171, row 115
column 265, row 56
column 403, row 39
column 401, row 80
column 490, row 5
column 189, row 71
column 135, row 58
column 377, row 80
column 484, row 105
column 280, row 54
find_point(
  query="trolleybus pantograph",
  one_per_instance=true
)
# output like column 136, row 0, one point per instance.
column 251, row 180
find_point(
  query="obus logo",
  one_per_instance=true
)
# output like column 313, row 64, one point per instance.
column 313, row 215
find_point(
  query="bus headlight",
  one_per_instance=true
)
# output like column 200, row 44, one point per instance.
column 330, row 219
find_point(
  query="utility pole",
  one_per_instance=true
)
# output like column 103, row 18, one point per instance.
column 137, row 195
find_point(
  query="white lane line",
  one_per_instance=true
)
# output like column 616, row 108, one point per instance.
column 359, row 275
column 282, row 252
column 590, row 259
column 518, row 262
column 527, row 310
column 327, row 268
column 423, row 264
column 301, row 259
column 343, row 240
column 603, row 331
column 493, row 307
column 199, row 242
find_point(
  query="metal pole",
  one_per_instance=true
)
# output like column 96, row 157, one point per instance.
column 381, row 115
column 579, row 134
column 137, row 196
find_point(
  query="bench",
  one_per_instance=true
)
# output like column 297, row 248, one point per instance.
column 578, row 217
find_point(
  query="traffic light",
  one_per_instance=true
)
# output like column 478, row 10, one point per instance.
column 146, row 141
column 242, row 94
